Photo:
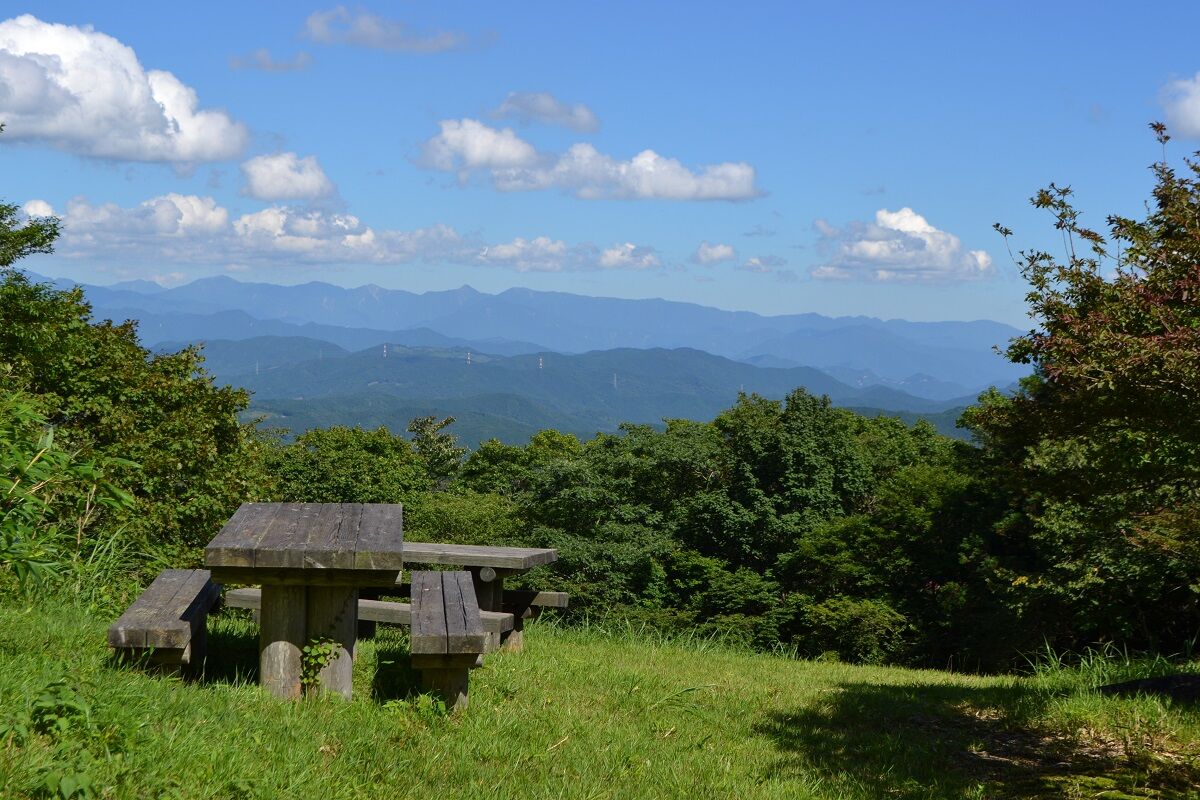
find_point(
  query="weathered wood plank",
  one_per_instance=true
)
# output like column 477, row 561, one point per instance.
column 234, row 545
column 306, row 577
column 429, row 614
column 380, row 537
column 183, row 617
column 474, row 638
column 167, row 613
column 337, row 552
column 469, row 555
column 525, row 597
column 289, row 526
column 375, row 610
column 457, row 640
column 311, row 546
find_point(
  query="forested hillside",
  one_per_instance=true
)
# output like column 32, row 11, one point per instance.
column 776, row 522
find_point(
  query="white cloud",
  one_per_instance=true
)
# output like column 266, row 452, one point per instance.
column 1181, row 100
column 261, row 59
column 541, row 254
column 591, row 175
column 629, row 256
column 85, row 92
column 713, row 253
column 763, row 264
column 285, row 176
column 186, row 229
column 899, row 246
column 38, row 208
column 515, row 165
column 468, row 144
column 173, row 231
column 364, row 29
column 546, row 108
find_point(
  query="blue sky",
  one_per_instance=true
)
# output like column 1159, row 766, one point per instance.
column 774, row 157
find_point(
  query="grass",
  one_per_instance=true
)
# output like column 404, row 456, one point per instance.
column 581, row 713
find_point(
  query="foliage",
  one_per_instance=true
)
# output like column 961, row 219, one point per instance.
column 439, row 449
column 1099, row 447
column 18, row 238
column 108, row 397
column 464, row 517
column 347, row 465
column 49, row 499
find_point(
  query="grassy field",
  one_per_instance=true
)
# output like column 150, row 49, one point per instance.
column 580, row 714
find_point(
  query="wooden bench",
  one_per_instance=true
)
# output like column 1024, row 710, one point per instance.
column 376, row 610
column 168, row 621
column 447, row 633
column 526, row 604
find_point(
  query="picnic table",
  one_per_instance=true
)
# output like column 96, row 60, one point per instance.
column 488, row 567
column 310, row 559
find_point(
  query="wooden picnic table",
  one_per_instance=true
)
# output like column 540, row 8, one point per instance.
column 310, row 559
column 488, row 567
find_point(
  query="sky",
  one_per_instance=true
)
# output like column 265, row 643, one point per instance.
column 844, row 159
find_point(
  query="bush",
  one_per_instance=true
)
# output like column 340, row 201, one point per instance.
column 867, row 631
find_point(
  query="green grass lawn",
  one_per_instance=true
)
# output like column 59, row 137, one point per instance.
column 578, row 714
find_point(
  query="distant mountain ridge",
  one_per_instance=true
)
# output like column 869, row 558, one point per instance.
column 937, row 360
column 297, row 383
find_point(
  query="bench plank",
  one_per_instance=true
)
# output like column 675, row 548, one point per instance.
column 169, row 616
column 429, row 613
column 472, row 555
column 374, row 610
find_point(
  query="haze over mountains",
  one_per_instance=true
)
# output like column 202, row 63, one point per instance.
column 313, row 354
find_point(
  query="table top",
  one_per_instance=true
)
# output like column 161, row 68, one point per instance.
column 320, row 536
column 472, row 555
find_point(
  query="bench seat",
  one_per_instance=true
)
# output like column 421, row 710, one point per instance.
column 168, row 621
column 447, row 638
column 375, row 610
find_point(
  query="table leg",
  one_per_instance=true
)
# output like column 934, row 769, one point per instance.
column 333, row 618
column 281, row 637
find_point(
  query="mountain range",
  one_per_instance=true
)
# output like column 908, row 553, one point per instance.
column 523, row 359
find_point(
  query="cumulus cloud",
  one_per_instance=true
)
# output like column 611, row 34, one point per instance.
column 541, row 254
column 899, row 246
column 514, row 165
column 763, row 264
column 261, row 59
column 285, row 176
column 546, row 108
column 629, row 256
column 188, row 229
column 178, row 230
column 364, row 29
column 38, row 208
column 85, row 92
column 713, row 253
column 1181, row 100
column 467, row 144
column 544, row 254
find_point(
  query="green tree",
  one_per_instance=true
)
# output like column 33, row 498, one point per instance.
column 24, row 238
column 1101, row 446
column 348, row 465
column 439, row 449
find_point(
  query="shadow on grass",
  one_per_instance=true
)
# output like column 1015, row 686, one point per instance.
column 937, row 741
column 394, row 677
column 232, row 650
